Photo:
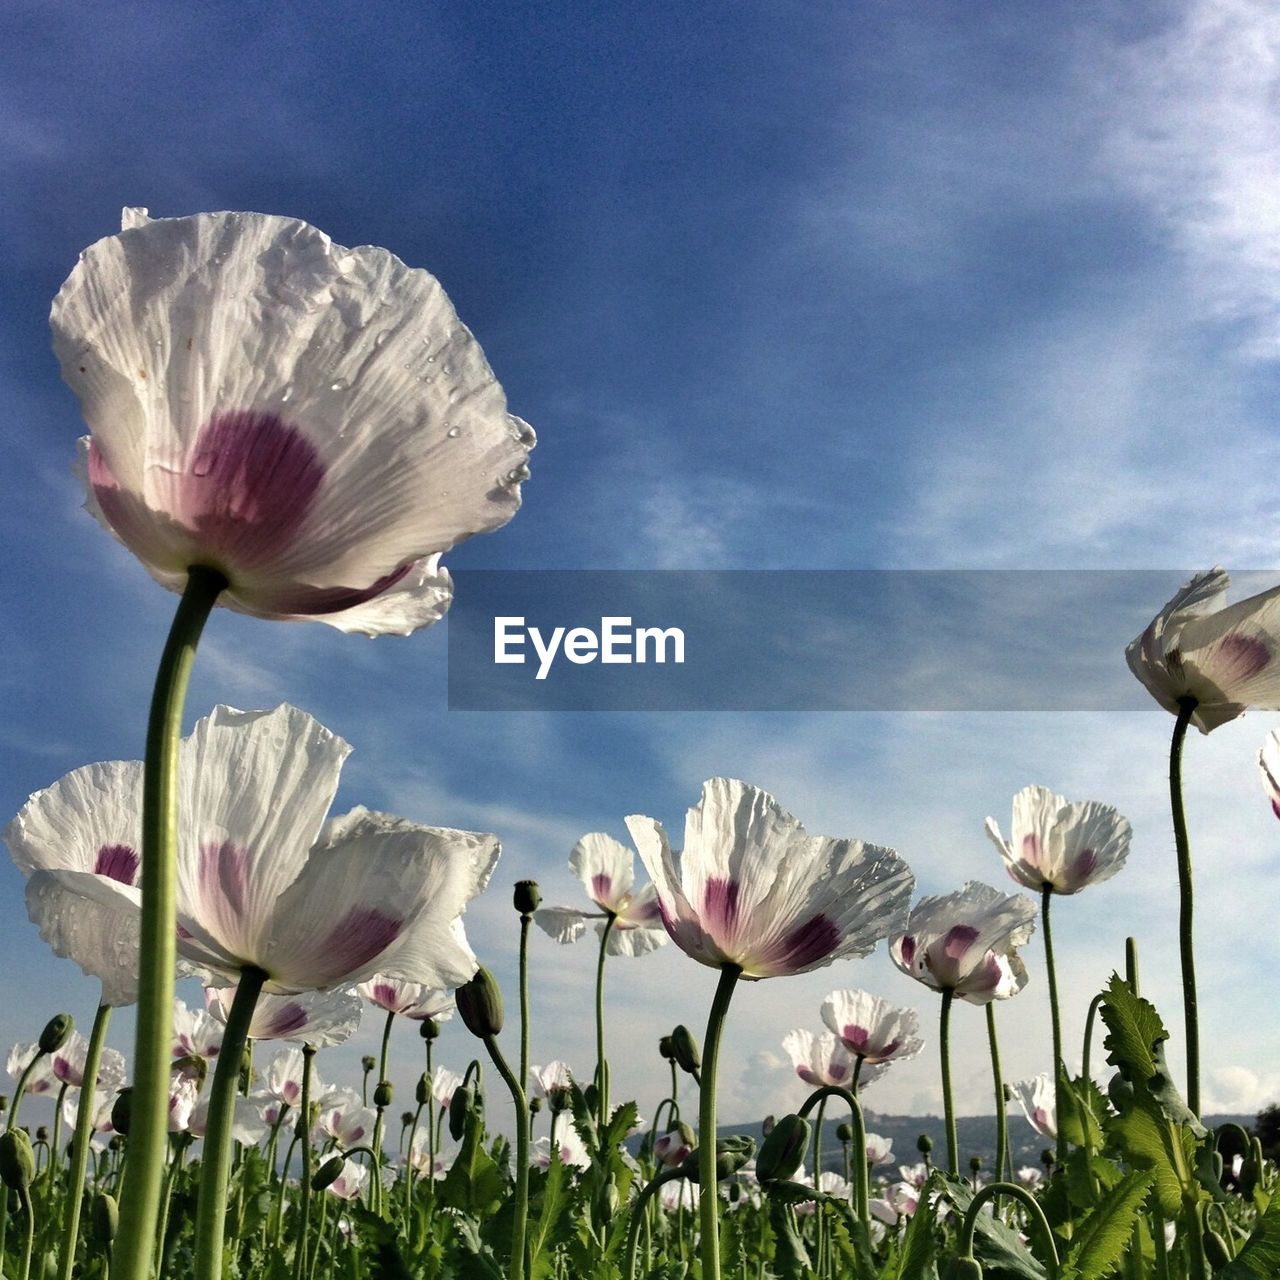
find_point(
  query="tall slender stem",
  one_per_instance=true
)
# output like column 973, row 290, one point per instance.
column 211, row 1206
column 602, row 1063
column 709, row 1200
column 521, row 1202
column 80, row 1143
column 149, row 1119
column 948, row 1111
column 1186, row 904
column 375, row 1185
column 525, row 920
column 1087, row 1053
column 1046, row 896
column 1002, row 1123
column 304, row 1184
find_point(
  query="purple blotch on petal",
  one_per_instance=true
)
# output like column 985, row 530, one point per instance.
column 284, row 1019
column 959, row 939
column 1242, row 657
column 907, row 949
column 117, row 862
column 805, row 945
column 362, row 935
column 720, row 906
column 385, row 995
column 601, row 885
column 224, row 873
column 856, row 1038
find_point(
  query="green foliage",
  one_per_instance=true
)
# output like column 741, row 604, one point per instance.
column 1106, row 1233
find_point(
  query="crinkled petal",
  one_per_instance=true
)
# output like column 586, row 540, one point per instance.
column 564, row 924
column 606, row 868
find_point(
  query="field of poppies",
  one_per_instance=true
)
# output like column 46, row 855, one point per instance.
column 299, row 431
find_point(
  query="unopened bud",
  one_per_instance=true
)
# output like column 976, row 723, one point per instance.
column 382, row 1094
column 42, row 1133
column 685, row 1047
column 924, row 1144
column 406, row 1119
column 327, row 1173
column 731, row 1154
column 55, row 1032
column 122, row 1109
column 526, row 897
column 480, row 1004
column 975, row 1164
column 459, row 1106
column 422, row 1092
column 666, row 1050
column 368, row 1062
column 17, row 1160
column 104, row 1219
column 966, row 1269
column 429, row 1029
column 844, row 1131
column 783, row 1151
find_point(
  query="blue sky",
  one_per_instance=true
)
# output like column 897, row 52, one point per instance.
column 779, row 285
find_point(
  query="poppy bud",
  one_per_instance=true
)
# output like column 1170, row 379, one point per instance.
column 327, row 1173
column 104, row 1219
column 429, row 1029
column 55, row 1032
column 406, row 1119
column 975, row 1164
column 665, row 1049
column 766, row 1125
column 459, row 1106
column 246, row 1069
column 17, row 1160
column 924, row 1144
column 422, row 1094
column 783, row 1151
column 685, row 1047
column 731, row 1154
column 526, row 897
column 591, row 1096
column 535, row 1105
column 368, row 1062
column 121, row 1109
column 965, row 1269
column 844, row 1131
column 382, row 1094
column 480, row 1004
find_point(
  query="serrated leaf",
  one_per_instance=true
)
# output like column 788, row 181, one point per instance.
column 1147, row 1142
column 1133, row 1030
column 918, row 1245
column 1260, row 1257
column 555, row 1199
column 1077, row 1122
column 998, row 1247
column 1102, row 1238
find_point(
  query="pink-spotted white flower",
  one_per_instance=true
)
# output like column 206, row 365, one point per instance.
column 317, row 1018
column 196, row 1033
column 679, row 1193
column 103, row 1104
column 606, row 868
column 900, row 1200
column 351, row 1182
column 420, row 1157
column 1224, row 658
column 1030, row 1177
column 568, row 1143
column 184, row 1093
column 444, row 1083
column 914, row 1175
column 85, row 827
column 754, row 890
column 675, row 1146
column 283, row 1078
column 311, row 421
column 552, row 1083
column 966, row 943
column 68, row 1061
column 247, row 1123
column 264, row 881
column 821, row 1059
column 879, row 1149
column 1037, row 1099
column 1063, row 845
column 407, row 999
column 41, row 1080
column 345, row 1119
column 871, row 1028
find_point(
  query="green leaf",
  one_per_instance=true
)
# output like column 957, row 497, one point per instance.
column 555, row 1199
column 1077, row 1121
column 1134, row 1028
column 1151, row 1143
column 918, row 1247
column 996, row 1246
column 1105, row 1234
column 474, row 1183
column 1260, row 1257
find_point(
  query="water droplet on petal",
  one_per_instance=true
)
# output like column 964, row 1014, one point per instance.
column 454, row 432
column 382, row 337
column 341, row 384
column 287, row 392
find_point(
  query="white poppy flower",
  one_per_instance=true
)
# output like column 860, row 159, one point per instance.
column 573, row 1151
column 1038, row 1102
column 351, row 1182
column 88, row 824
column 247, row 1124
column 318, row 1018
column 1029, row 1176
column 829, row 1183
column 899, row 1201
column 443, row 1085
column 753, row 889
column 1269, row 763
column 41, row 1080
column 196, row 1033
column 104, row 1101
column 552, row 1083
column 1054, row 842
column 283, row 1078
column 606, row 868
column 345, row 1119
column 420, row 1155
column 820, row 1059
column 872, row 1028
column 679, row 1193
column 408, row 999
column 1222, row 656
column 261, row 882
column 879, row 1149
column 966, row 943
column 67, row 1062
column 184, row 1093
column 311, row 421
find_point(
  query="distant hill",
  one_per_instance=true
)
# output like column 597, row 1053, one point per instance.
column 976, row 1136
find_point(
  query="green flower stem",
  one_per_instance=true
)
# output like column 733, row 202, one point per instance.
column 409, row 1171
column 375, row 1194
column 304, row 1186
column 149, row 1123
column 1186, row 946
column 55, row 1143
column 861, row 1178
column 432, row 1126
column 211, row 1208
column 525, row 921
column 29, row 1232
column 179, row 1142
column 948, row 1110
column 521, row 1203
column 1002, row 1122
column 21, row 1088
column 1131, row 964
column 638, row 1214
column 1024, row 1197
column 818, row 1233
column 602, row 1065
column 80, row 1143
column 709, row 1200
column 1046, row 895
column 1087, row 1053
